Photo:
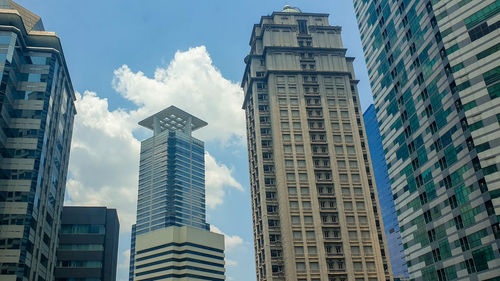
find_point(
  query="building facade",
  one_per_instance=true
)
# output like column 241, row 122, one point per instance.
column 434, row 69
column 387, row 208
column 171, row 193
column 131, row 268
column 36, row 122
column 315, row 209
column 88, row 244
column 179, row 253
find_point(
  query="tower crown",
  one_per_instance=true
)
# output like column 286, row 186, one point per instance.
column 172, row 119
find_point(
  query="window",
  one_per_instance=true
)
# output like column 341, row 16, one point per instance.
column 301, row 267
column 428, row 216
column 299, row 250
column 81, row 264
column 469, row 264
column 453, row 202
column 458, row 222
column 433, row 127
column 355, row 250
column 82, row 229
column 348, row 206
column 464, row 243
column 432, row 235
column 350, row 220
column 441, row 275
column 358, row 266
column 360, row 205
column 363, row 220
column 312, row 250
column 302, row 26
column 436, row 254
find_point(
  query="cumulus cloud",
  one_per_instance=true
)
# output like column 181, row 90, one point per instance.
column 192, row 83
column 218, row 177
column 231, row 242
column 104, row 159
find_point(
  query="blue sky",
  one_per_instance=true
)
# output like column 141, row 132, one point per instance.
column 154, row 38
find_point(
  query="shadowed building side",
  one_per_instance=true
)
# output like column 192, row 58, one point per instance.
column 88, row 244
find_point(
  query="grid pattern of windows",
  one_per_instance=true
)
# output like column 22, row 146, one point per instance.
column 36, row 123
column 171, row 182
column 435, row 98
column 310, row 172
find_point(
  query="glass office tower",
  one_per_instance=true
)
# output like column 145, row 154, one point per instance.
column 434, row 69
column 171, row 173
column 315, row 208
column 36, row 121
column 387, row 208
column 171, row 194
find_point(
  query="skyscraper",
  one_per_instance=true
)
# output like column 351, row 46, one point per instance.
column 434, row 69
column 88, row 244
column 314, row 202
column 171, row 204
column 387, row 208
column 36, row 122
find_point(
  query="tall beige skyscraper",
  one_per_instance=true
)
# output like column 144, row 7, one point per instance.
column 314, row 201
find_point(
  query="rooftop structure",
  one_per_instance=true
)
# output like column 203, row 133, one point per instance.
column 173, row 119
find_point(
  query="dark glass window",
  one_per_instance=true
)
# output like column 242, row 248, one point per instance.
column 302, row 26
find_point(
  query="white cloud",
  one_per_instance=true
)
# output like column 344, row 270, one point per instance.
column 231, row 242
column 104, row 159
column 192, row 83
column 125, row 263
column 218, row 177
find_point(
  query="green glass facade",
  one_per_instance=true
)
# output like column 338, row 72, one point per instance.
column 434, row 69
